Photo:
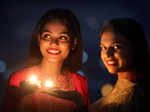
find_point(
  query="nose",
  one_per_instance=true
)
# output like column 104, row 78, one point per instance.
column 110, row 52
column 54, row 41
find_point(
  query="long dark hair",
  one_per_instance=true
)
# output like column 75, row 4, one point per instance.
column 66, row 17
column 134, row 32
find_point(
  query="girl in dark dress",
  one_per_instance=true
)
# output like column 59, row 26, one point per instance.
column 125, row 53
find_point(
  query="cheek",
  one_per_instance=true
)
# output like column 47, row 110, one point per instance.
column 102, row 55
column 66, row 49
column 42, row 48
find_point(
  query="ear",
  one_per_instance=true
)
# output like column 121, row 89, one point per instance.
column 74, row 44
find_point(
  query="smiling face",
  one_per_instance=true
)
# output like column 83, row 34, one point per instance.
column 116, row 52
column 55, row 42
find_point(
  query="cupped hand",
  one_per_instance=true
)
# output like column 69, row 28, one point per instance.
column 27, row 88
column 68, row 95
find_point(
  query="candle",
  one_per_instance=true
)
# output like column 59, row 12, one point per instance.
column 34, row 80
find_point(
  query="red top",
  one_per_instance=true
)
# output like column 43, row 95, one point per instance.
column 12, row 100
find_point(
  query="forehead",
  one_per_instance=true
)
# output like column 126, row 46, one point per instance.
column 56, row 26
column 111, row 37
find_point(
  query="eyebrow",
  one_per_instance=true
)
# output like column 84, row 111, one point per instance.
column 119, row 42
column 67, row 33
column 115, row 42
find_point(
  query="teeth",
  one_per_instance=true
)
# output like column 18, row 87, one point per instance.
column 53, row 51
column 111, row 62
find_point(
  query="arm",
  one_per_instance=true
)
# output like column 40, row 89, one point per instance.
column 16, row 90
column 12, row 97
column 81, row 85
column 85, row 91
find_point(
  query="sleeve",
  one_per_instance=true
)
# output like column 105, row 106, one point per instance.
column 81, row 85
column 85, row 90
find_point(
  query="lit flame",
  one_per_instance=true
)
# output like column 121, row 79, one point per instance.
column 48, row 84
column 34, row 80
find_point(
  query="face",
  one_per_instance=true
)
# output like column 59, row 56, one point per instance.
column 55, row 42
column 116, row 52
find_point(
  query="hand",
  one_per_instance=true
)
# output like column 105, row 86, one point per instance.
column 68, row 95
column 27, row 88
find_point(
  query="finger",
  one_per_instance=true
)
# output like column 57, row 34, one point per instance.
column 22, row 83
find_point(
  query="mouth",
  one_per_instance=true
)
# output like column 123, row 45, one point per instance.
column 111, row 62
column 53, row 51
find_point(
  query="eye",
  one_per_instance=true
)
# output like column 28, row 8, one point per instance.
column 103, row 48
column 45, row 36
column 116, row 47
column 64, row 38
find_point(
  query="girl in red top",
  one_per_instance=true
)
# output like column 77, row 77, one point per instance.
column 55, row 55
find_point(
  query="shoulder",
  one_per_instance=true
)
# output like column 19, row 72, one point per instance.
column 81, row 85
column 20, row 75
column 79, row 77
column 81, row 82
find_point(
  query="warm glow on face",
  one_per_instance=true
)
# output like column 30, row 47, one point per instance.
column 48, row 84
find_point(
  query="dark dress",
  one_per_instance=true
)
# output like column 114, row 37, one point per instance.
column 126, row 96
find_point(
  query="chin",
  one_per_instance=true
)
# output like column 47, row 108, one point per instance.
column 113, row 72
column 112, row 69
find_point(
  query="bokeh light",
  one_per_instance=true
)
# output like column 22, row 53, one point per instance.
column 106, row 89
column 85, row 57
column 2, row 66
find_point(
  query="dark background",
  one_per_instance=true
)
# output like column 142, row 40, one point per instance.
column 18, row 19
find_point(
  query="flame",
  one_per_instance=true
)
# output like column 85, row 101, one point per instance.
column 48, row 83
column 33, row 80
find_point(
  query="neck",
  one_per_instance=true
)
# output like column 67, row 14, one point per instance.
column 131, row 76
column 49, row 69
